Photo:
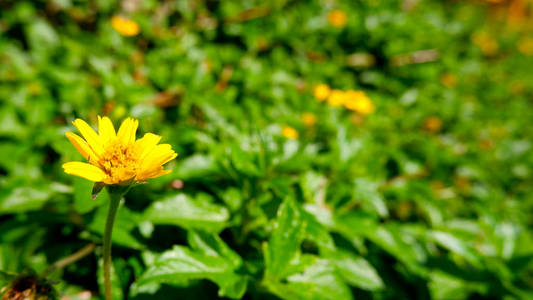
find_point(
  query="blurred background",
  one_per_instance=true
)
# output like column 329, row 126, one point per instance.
column 328, row 149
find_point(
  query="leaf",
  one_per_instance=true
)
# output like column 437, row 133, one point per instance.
column 22, row 199
column 196, row 166
column 180, row 265
column 317, row 233
column 366, row 192
column 82, row 196
column 456, row 245
column 182, row 211
column 318, row 281
column 443, row 286
column 212, row 244
column 97, row 188
column 356, row 271
column 284, row 243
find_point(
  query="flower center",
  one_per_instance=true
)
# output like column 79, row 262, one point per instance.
column 119, row 161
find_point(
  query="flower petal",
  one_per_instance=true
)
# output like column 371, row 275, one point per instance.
column 127, row 130
column 82, row 146
column 84, row 170
column 146, row 144
column 154, row 174
column 90, row 136
column 160, row 155
column 106, row 129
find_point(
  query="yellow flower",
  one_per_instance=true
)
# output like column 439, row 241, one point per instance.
column 116, row 157
column 321, row 91
column 336, row 98
column 308, row 119
column 125, row 26
column 489, row 46
column 358, row 101
column 337, row 18
column 289, row 132
column 448, row 80
column 433, row 124
column 525, row 45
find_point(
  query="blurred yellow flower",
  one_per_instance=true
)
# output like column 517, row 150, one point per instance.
column 525, row 45
column 308, row 119
column 433, row 124
column 337, row 18
column 321, row 91
column 289, row 132
column 448, row 80
column 489, row 46
column 116, row 157
column 358, row 101
column 125, row 26
column 336, row 98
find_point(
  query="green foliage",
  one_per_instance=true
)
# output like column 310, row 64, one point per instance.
column 428, row 197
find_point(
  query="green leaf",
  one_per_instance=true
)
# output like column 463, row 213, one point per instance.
column 97, row 188
column 284, row 243
column 443, row 286
column 22, row 199
column 356, row 271
column 213, row 245
column 366, row 192
column 185, row 212
column 83, row 202
column 318, row 281
column 196, row 166
column 180, row 265
column 456, row 245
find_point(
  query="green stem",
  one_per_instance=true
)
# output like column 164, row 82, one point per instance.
column 113, row 208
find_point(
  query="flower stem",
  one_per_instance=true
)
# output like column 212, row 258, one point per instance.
column 112, row 212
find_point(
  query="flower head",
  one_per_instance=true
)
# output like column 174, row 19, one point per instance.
column 125, row 26
column 289, row 132
column 337, row 18
column 525, row 45
column 321, row 91
column 358, row 101
column 116, row 157
column 433, row 124
column 336, row 98
column 489, row 46
column 308, row 119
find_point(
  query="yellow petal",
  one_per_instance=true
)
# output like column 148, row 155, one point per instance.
column 157, row 173
column 146, row 144
column 90, row 136
column 160, row 173
column 82, row 146
column 106, row 129
column 155, row 160
column 160, row 155
column 127, row 130
column 84, row 170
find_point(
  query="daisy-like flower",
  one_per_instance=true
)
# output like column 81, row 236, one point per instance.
column 308, row 119
column 289, row 132
column 321, row 91
column 116, row 157
column 358, row 101
column 336, row 98
column 337, row 18
column 525, row 45
column 125, row 26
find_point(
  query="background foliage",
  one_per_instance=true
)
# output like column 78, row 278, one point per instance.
column 428, row 197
